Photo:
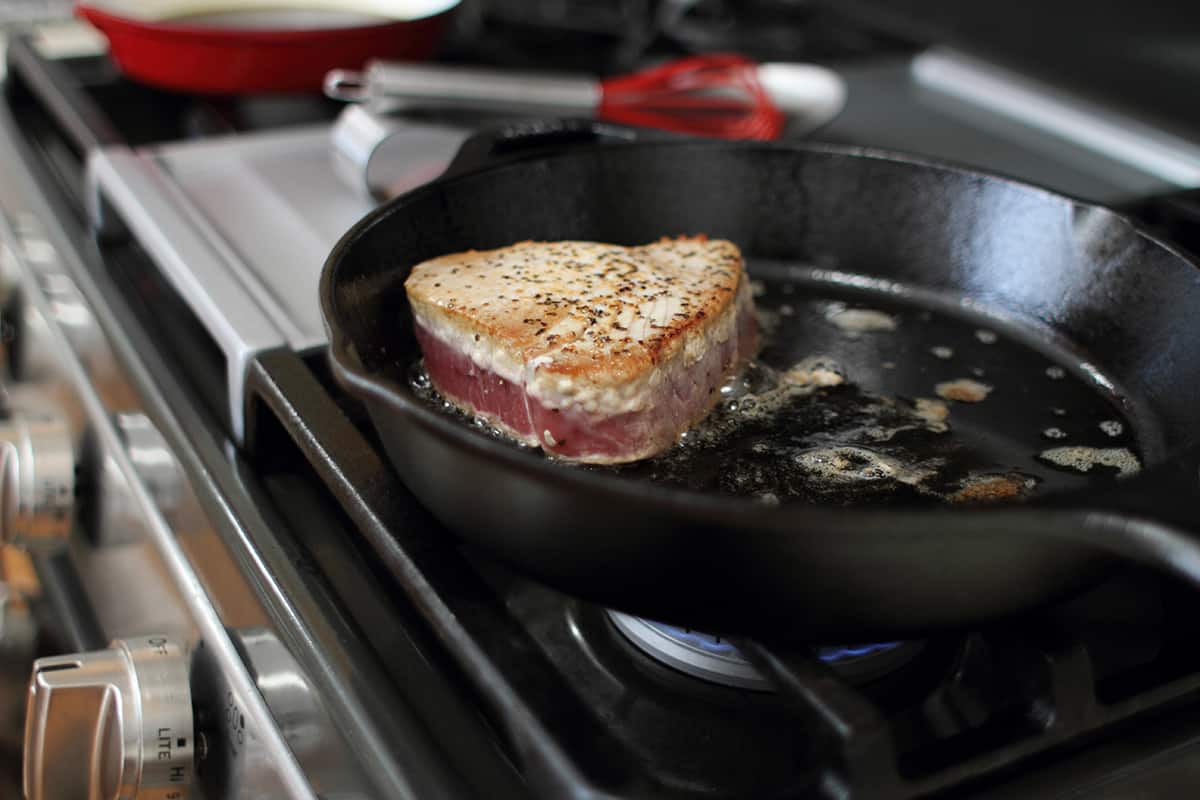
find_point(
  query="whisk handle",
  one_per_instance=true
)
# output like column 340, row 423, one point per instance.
column 383, row 85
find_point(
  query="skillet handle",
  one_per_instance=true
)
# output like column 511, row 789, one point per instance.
column 496, row 145
column 1153, row 516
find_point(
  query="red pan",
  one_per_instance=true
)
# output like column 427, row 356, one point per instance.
column 241, row 46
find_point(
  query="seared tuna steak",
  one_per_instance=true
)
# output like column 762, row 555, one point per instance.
column 594, row 352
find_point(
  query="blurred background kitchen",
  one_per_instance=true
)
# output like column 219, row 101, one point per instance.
column 1088, row 97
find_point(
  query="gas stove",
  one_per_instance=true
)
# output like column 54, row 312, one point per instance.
column 206, row 528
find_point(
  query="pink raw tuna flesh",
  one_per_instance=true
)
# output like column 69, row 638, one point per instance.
column 575, row 433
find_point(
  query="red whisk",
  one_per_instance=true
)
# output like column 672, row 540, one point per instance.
column 715, row 95
column 722, row 95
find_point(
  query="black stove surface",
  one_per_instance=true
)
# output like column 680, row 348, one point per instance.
column 1093, row 698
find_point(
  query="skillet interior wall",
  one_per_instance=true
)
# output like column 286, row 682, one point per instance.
column 1129, row 304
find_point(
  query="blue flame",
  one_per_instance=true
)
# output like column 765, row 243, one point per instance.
column 832, row 655
column 713, row 644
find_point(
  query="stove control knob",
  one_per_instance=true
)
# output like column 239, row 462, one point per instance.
column 113, row 725
column 37, row 478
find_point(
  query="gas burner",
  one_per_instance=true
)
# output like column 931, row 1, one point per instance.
column 706, row 656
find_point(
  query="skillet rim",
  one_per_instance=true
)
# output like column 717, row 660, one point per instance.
column 1078, row 506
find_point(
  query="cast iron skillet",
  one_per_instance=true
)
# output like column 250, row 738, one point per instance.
column 1061, row 282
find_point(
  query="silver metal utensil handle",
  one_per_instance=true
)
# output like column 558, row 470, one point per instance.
column 386, row 85
column 358, row 136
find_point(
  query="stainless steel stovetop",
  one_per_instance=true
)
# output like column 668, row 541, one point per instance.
column 259, row 609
